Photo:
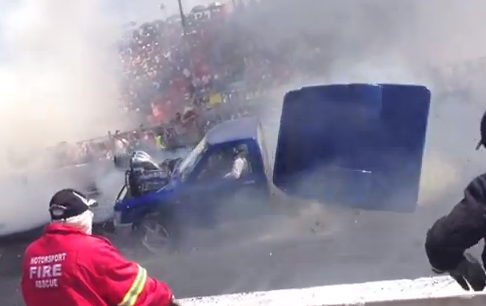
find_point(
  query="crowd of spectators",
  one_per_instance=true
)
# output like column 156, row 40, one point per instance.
column 168, row 67
column 171, row 72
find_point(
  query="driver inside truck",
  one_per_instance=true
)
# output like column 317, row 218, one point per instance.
column 240, row 164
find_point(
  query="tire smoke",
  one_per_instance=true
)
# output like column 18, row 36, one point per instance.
column 58, row 76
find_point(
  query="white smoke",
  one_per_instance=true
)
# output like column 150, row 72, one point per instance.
column 59, row 72
column 59, row 82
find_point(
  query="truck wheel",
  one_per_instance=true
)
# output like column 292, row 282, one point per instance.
column 155, row 236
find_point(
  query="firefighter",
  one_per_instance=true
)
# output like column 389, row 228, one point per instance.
column 451, row 235
column 69, row 266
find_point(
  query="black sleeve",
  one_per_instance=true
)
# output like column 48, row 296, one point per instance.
column 462, row 228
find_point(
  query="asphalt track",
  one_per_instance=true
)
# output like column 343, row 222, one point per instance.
column 299, row 250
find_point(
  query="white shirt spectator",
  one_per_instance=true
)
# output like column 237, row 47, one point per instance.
column 206, row 79
column 186, row 72
column 121, row 146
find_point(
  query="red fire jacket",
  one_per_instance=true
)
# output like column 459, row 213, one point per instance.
column 68, row 267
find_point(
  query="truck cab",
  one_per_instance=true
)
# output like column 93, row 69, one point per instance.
column 202, row 189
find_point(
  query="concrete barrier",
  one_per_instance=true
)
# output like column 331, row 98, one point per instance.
column 430, row 291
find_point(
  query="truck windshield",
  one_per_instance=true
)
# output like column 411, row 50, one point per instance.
column 187, row 164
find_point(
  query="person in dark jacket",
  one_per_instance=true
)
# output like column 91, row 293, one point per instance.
column 451, row 235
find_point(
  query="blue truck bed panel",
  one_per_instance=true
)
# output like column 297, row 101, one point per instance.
column 364, row 140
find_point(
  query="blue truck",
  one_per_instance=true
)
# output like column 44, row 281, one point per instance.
column 196, row 190
column 353, row 145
